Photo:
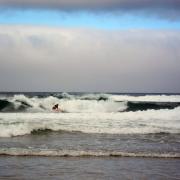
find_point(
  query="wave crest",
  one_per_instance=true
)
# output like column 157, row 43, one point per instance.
column 84, row 103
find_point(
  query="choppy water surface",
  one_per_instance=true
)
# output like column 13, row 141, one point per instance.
column 95, row 127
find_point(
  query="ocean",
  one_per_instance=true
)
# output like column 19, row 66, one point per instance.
column 97, row 136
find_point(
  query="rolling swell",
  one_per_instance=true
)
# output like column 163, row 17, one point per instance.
column 6, row 106
column 143, row 106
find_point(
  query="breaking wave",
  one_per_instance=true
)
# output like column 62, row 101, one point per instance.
column 82, row 153
column 87, row 103
column 22, row 103
column 89, row 113
column 140, row 122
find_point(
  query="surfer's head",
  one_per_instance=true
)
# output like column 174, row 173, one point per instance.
column 55, row 106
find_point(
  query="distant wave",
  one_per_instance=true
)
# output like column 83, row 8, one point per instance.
column 87, row 103
column 146, row 98
column 82, row 153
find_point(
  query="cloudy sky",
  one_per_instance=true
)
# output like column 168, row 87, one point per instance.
column 83, row 45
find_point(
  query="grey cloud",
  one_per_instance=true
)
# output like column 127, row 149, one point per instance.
column 59, row 59
column 162, row 8
column 93, row 4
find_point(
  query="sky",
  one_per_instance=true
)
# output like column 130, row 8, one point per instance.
column 90, row 46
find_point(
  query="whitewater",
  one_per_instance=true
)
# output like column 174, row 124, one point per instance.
column 151, row 121
column 92, row 124
column 90, row 113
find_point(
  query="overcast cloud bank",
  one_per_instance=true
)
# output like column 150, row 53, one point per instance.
column 62, row 59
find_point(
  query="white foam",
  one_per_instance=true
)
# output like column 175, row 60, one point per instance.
column 80, row 153
column 140, row 122
column 147, row 98
column 78, row 104
column 70, row 105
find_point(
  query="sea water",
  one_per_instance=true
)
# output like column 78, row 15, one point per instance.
column 91, row 126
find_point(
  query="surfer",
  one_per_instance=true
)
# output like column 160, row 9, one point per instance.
column 56, row 107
